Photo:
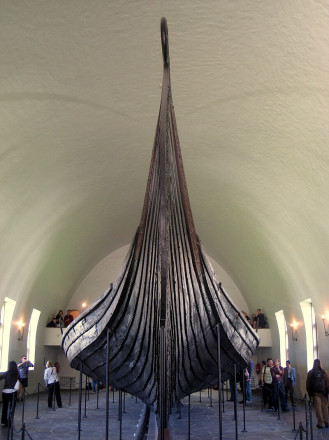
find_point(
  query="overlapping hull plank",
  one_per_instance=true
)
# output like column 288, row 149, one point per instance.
column 166, row 287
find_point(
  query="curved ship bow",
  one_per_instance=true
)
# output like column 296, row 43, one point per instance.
column 163, row 309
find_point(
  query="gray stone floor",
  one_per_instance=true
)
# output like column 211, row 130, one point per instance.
column 62, row 423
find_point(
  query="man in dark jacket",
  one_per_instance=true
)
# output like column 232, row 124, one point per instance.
column 289, row 381
column 317, row 386
column 278, row 388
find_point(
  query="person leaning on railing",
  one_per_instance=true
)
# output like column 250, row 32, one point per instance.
column 259, row 320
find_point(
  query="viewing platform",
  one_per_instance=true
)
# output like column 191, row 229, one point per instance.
column 53, row 336
column 265, row 337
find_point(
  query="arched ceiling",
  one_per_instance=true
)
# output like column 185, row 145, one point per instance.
column 80, row 93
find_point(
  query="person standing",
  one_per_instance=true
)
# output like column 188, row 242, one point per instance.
column 60, row 318
column 95, row 385
column 259, row 320
column 233, row 390
column 278, row 388
column 248, row 378
column 9, row 393
column 23, row 371
column 266, row 383
column 289, row 381
column 317, row 386
column 68, row 318
column 245, row 382
column 52, row 323
column 52, row 383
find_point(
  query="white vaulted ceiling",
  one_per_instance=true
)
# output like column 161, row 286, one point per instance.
column 80, row 92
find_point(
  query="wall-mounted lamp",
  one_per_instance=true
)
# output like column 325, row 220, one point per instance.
column 20, row 333
column 293, row 327
column 326, row 332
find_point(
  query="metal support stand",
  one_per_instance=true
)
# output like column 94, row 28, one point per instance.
column 311, row 420
column 80, row 397
column 306, row 415
column 235, row 406
column 300, row 431
column 124, row 402
column 220, row 421
column 120, row 414
column 85, row 414
column 189, row 418
column 210, row 397
column 107, row 383
column 244, row 395
column 23, row 409
column 23, row 414
column 97, row 396
column 38, row 399
column 70, row 396
column 162, row 390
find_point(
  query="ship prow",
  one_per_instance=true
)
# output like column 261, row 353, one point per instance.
column 166, row 312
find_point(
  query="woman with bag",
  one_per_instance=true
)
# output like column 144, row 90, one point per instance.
column 52, row 383
column 9, row 393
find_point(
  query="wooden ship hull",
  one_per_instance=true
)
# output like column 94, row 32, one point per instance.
column 165, row 313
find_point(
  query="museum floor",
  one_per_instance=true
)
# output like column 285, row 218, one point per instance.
column 62, row 423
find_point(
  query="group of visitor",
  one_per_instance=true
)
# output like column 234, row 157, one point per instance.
column 16, row 380
column 61, row 321
column 277, row 385
column 257, row 320
column 277, row 382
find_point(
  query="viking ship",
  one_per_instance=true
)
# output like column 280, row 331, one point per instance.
column 156, row 330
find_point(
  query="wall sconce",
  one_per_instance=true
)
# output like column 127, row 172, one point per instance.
column 293, row 327
column 324, row 325
column 20, row 333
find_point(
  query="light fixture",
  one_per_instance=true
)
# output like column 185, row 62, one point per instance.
column 324, row 325
column 293, row 327
column 20, row 333
column 84, row 305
